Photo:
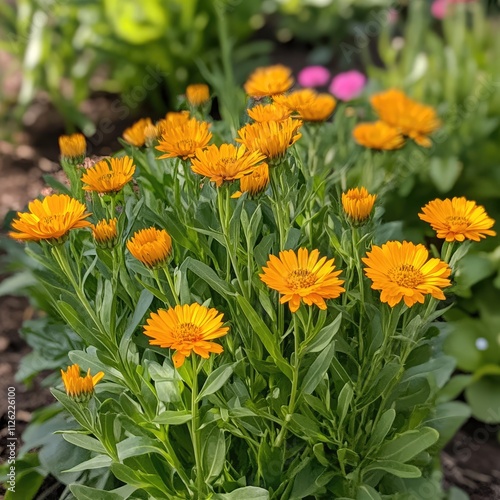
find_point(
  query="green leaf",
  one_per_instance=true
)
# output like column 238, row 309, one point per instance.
column 214, row 453
column 138, row 445
column 345, row 398
column 265, row 335
column 382, row 428
column 173, row 417
column 245, row 493
column 71, row 317
column 85, row 441
column 82, row 492
column 408, row 445
column 216, row 380
column 317, row 370
column 447, row 418
column 444, row 172
column 483, row 397
column 394, row 467
column 324, row 337
column 366, row 492
column 94, row 463
column 208, row 275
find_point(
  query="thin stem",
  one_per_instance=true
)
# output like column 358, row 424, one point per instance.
column 295, row 381
column 171, row 285
column 195, row 435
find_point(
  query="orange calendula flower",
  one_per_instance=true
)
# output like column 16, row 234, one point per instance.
column 269, row 81
column 135, row 134
column 319, row 110
column 269, row 112
column 358, row 204
column 183, row 140
column 151, row 246
column 197, row 94
column 270, row 138
column 105, row 233
column 49, row 219
column 302, row 277
column 79, row 388
column 73, row 147
column 109, row 175
column 410, row 117
column 185, row 329
column 403, row 271
column 296, row 100
column 225, row 163
column 151, row 134
column 255, row 182
column 458, row 219
column 378, row 135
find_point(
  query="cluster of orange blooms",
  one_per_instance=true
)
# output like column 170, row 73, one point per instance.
column 399, row 117
column 401, row 271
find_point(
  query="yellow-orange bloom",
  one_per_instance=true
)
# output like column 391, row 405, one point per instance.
column 151, row 246
column 225, row 163
column 183, row 140
column 186, row 328
column 410, row 117
column 73, row 147
column 255, row 182
column 109, row 175
column 79, row 388
column 49, row 219
column 269, row 112
column 296, row 100
column 197, row 94
column 319, row 110
column 104, row 232
column 270, row 138
column 302, row 277
column 176, row 118
column 458, row 219
column 403, row 271
column 151, row 134
column 268, row 81
column 135, row 134
column 378, row 135
column 358, row 204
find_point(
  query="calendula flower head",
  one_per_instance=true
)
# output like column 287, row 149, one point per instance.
column 458, row 219
column 309, row 105
column 403, row 271
column 378, row 135
column 410, row 117
column 319, row 109
column 72, row 148
column 177, row 118
column 79, row 388
column 50, row 219
column 269, row 81
column 225, row 163
column 186, row 329
column 151, row 246
column 358, row 204
column 197, row 94
column 109, row 175
column 135, row 134
column 269, row 112
column 302, row 277
column 255, row 182
column 295, row 100
column 184, row 140
column 105, row 233
column 270, row 138
column 151, row 134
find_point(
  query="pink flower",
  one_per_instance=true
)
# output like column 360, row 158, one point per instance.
column 392, row 16
column 439, row 8
column 313, row 76
column 348, row 85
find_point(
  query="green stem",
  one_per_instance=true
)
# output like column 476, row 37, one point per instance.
column 171, row 285
column 447, row 250
column 295, row 381
column 195, row 435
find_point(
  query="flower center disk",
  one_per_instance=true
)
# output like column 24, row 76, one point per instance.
column 406, row 275
column 187, row 332
column 301, row 278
